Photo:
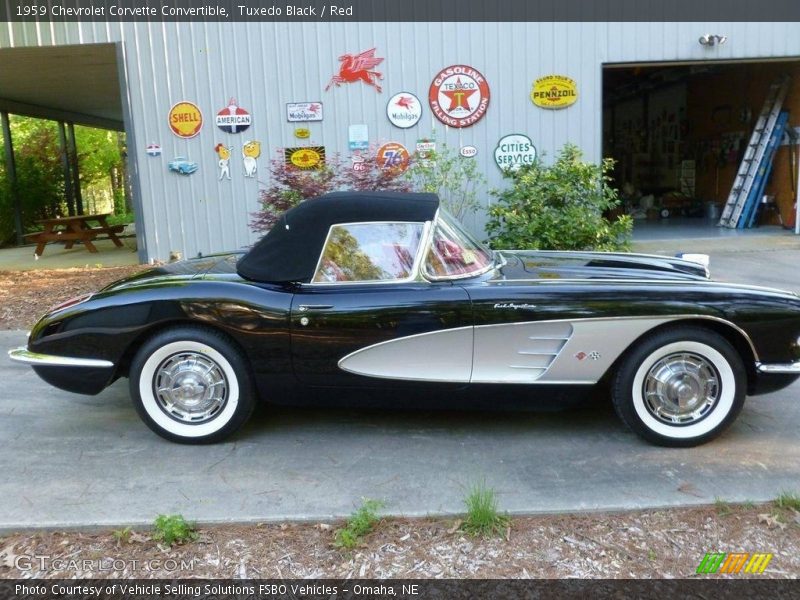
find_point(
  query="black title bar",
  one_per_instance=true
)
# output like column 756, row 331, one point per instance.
column 399, row 10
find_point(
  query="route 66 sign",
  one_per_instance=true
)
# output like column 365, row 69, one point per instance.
column 393, row 157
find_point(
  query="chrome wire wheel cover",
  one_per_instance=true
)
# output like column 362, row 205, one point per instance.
column 190, row 387
column 681, row 388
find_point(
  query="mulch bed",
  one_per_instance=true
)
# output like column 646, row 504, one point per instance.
column 27, row 295
column 663, row 543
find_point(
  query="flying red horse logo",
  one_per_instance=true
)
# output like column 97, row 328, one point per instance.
column 358, row 66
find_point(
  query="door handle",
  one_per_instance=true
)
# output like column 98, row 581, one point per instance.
column 307, row 307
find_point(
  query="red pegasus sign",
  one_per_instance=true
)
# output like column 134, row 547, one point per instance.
column 358, row 66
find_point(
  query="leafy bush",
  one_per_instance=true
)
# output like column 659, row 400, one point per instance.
column 482, row 516
column 289, row 186
column 559, row 207
column 360, row 523
column 173, row 529
column 454, row 178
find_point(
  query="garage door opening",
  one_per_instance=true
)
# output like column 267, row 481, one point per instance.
column 63, row 114
column 679, row 133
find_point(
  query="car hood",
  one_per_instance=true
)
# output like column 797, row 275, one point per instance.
column 213, row 264
column 542, row 264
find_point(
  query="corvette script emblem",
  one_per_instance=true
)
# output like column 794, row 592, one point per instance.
column 593, row 355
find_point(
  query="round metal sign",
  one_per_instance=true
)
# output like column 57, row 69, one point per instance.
column 514, row 151
column 393, row 157
column 185, row 119
column 233, row 118
column 459, row 96
column 404, row 110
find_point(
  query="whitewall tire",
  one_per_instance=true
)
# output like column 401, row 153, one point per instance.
column 191, row 385
column 682, row 386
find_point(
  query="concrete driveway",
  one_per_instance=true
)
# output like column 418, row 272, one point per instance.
column 74, row 460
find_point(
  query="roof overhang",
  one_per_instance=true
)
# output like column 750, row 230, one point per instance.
column 78, row 84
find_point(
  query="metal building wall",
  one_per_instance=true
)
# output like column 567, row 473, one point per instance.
column 266, row 65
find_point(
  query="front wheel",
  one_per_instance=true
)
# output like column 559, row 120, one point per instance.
column 681, row 387
column 191, row 385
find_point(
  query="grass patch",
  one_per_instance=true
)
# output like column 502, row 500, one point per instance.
column 360, row 523
column 788, row 500
column 122, row 536
column 173, row 529
column 482, row 518
column 723, row 508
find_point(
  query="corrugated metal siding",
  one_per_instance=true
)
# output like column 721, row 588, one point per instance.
column 266, row 65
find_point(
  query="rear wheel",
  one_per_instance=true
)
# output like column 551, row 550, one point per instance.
column 681, row 387
column 191, row 385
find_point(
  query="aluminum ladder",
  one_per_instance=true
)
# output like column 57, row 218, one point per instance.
column 754, row 154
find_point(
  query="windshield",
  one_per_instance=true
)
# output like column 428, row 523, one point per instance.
column 454, row 252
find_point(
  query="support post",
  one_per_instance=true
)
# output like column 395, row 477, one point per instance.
column 76, row 178
column 11, row 173
column 65, row 160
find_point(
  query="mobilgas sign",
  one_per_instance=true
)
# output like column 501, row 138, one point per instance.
column 513, row 151
column 554, row 91
column 298, row 112
column 404, row 110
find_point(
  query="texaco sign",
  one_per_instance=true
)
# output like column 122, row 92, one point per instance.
column 459, row 96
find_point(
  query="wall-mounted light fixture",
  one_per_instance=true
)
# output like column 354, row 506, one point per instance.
column 709, row 40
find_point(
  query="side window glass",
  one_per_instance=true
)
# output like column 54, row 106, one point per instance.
column 453, row 253
column 369, row 252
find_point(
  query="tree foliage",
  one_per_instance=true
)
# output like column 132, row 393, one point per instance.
column 559, row 207
column 289, row 186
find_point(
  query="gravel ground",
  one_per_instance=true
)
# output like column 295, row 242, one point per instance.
column 649, row 544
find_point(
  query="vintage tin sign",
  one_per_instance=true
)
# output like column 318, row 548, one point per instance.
column 554, row 91
column 359, row 163
column 251, row 150
column 358, row 67
column 404, row 110
column 233, row 118
column 297, row 112
column 393, row 157
column 514, row 151
column 307, row 157
column 357, row 137
column 302, row 133
column 153, row 149
column 459, row 96
column 185, row 119
column 224, row 163
column 468, row 151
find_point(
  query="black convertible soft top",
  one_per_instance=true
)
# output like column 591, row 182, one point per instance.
column 291, row 249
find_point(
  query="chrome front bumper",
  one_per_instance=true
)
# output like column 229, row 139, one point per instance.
column 785, row 368
column 24, row 355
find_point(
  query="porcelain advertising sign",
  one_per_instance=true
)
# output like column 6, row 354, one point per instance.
column 459, row 96
column 554, row 91
column 513, row 151
column 297, row 112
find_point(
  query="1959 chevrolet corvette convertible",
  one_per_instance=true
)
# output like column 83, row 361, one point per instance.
column 378, row 292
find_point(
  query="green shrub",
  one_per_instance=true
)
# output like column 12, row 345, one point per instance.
column 173, row 529
column 482, row 516
column 360, row 523
column 559, row 207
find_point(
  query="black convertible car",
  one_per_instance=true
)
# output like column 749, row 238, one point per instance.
column 378, row 292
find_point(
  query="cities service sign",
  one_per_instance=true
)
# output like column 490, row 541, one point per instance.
column 459, row 96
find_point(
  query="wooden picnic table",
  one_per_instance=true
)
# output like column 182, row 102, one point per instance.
column 74, row 229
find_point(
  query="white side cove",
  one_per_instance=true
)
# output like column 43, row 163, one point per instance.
column 573, row 352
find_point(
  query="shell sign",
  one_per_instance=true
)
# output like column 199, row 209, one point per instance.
column 185, row 119
column 554, row 91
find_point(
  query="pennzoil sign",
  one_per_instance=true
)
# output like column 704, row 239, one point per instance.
column 554, row 91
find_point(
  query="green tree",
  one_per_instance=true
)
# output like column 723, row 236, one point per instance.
column 559, row 207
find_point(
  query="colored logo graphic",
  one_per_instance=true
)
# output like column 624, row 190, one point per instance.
column 303, row 111
column 393, row 157
column 153, row 149
column 554, row 91
column 459, row 96
column 734, row 562
column 357, row 67
column 302, row 133
column 513, row 151
column 468, row 151
column 404, row 110
column 233, row 118
column 185, row 119
column 309, row 157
